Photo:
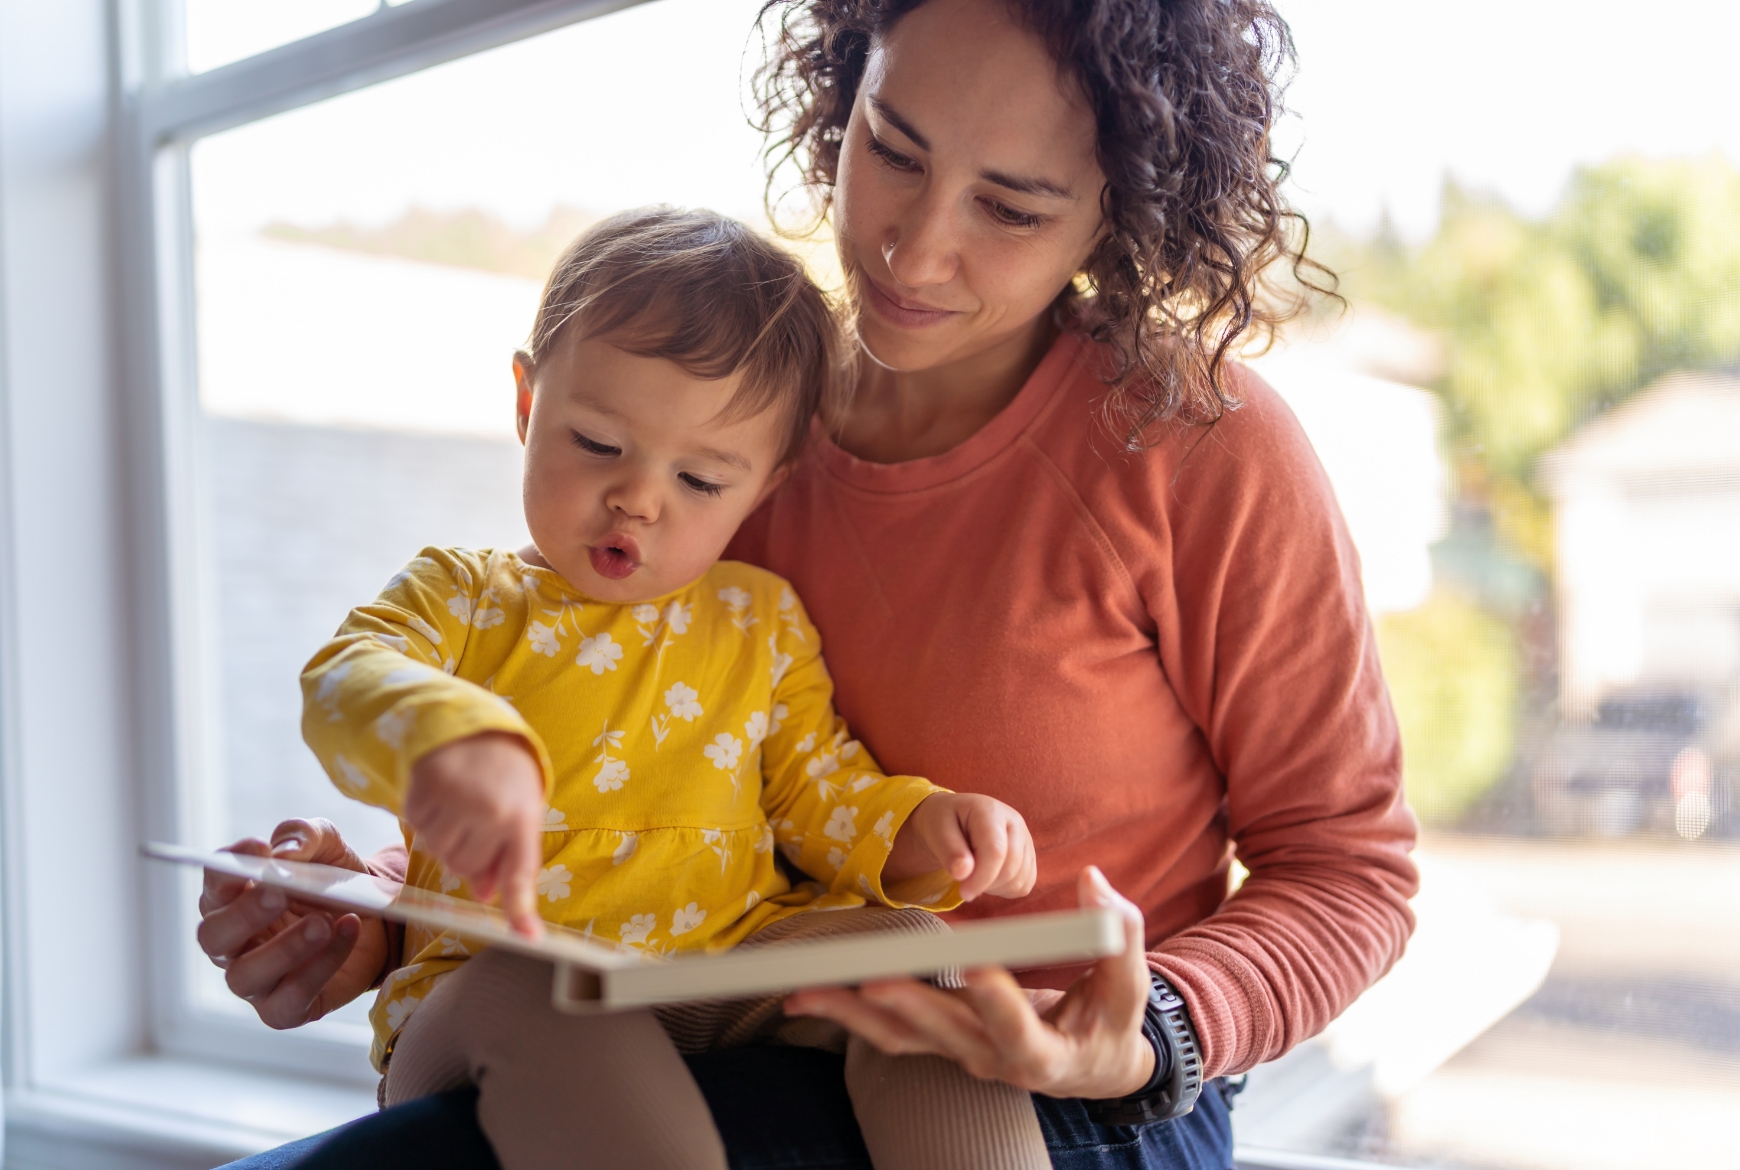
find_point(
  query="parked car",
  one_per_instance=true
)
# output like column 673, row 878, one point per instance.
column 1652, row 761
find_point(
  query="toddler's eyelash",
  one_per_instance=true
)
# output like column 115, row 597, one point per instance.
column 592, row 446
column 701, row 485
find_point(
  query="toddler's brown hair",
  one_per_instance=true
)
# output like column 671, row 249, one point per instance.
column 706, row 292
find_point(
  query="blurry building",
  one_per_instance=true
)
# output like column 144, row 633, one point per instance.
column 1648, row 543
column 1347, row 379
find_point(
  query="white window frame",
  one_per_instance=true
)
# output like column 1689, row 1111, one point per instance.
column 105, row 739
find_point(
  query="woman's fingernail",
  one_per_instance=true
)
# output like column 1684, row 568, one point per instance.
column 272, row 899
column 315, row 930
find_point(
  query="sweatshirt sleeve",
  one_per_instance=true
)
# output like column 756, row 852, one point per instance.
column 833, row 810
column 382, row 694
column 1265, row 636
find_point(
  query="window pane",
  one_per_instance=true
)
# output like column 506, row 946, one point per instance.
column 222, row 31
column 1532, row 418
column 365, row 269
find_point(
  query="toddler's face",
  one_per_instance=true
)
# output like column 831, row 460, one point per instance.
column 633, row 486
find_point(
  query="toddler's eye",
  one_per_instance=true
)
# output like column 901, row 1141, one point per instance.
column 592, row 446
column 695, row 483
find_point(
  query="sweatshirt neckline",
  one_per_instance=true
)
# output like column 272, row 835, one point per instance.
column 974, row 452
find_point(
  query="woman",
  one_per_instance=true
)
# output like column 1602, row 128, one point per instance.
column 1061, row 550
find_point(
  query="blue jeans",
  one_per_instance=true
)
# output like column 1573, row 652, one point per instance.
column 777, row 1109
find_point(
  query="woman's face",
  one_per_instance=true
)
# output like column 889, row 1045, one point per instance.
column 968, row 191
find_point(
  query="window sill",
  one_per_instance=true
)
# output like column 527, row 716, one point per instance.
column 165, row 1113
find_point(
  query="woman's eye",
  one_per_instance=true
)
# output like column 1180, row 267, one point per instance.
column 1009, row 217
column 592, row 446
column 695, row 483
column 898, row 161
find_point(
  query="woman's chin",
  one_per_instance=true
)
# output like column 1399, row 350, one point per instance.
column 904, row 351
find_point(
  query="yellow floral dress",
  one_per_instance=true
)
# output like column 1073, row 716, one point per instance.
column 682, row 740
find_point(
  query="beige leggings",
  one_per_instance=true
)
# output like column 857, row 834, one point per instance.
column 610, row 1090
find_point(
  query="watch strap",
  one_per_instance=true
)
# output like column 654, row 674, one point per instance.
column 1176, row 1082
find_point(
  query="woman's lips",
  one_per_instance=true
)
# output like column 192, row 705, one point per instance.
column 900, row 312
column 615, row 557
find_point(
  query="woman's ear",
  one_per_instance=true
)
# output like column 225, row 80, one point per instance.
column 522, row 392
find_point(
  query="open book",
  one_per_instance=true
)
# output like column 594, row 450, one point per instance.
column 591, row 975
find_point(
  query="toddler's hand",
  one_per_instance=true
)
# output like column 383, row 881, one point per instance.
column 478, row 805
column 980, row 842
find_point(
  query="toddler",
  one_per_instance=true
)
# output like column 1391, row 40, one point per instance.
column 617, row 729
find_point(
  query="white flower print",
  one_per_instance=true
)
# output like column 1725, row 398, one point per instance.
column 393, row 642
column 687, row 919
column 610, row 776
column 459, row 606
column 326, row 694
column 725, row 751
column 825, row 764
column 750, row 901
column 405, row 675
column 738, row 602
column 677, row 616
column 764, row 838
column 807, row 743
column 646, row 615
column 350, row 777
column 836, row 857
column 600, row 653
column 715, row 839
column 612, row 771
column 392, row 727
column 625, row 849
column 683, row 700
column 543, row 639
column 841, row 826
column 553, row 882
column 450, row 945
column 427, row 630
column 633, row 932
column 449, row 666
column 756, row 729
column 450, row 881
column 884, row 828
column 404, row 574
column 781, row 662
column 788, row 614
column 529, row 583
column 554, row 820
column 661, row 727
column 862, row 782
column 398, row 1011
column 780, row 712
column 485, row 616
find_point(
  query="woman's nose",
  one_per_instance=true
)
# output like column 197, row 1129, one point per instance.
column 923, row 249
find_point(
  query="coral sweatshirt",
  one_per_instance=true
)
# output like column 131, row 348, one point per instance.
column 1163, row 660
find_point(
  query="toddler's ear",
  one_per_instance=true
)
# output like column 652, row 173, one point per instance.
column 522, row 392
column 779, row 476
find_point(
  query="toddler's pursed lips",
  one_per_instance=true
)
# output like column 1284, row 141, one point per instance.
column 615, row 556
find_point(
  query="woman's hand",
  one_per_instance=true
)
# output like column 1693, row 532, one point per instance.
column 1085, row 1042
column 478, row 804
column 293, row 963
column 980, row 842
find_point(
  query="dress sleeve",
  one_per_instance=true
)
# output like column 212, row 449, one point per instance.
column 382, row 693
column 1266, row 639
column 833, row 810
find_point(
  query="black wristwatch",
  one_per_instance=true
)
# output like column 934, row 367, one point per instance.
column 1177, row 1081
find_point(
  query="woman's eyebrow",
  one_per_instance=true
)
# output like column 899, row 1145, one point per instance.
column 899, row 123
column 1023, row 184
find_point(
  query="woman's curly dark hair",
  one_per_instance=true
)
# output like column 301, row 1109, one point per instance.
column 1185, row 94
